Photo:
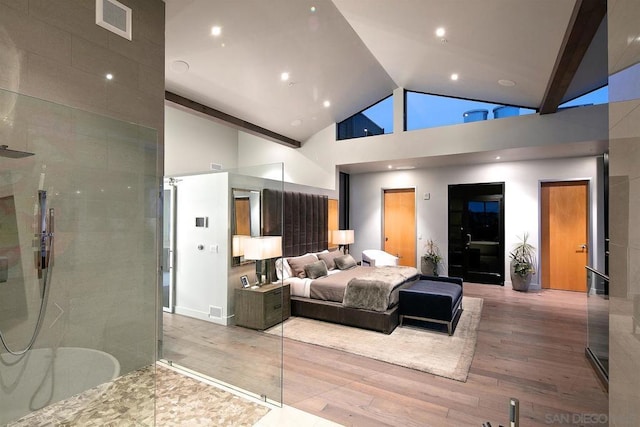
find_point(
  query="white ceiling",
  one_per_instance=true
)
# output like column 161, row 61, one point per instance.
column 356, row 52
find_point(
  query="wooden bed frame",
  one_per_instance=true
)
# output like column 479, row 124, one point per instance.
column 380, row 321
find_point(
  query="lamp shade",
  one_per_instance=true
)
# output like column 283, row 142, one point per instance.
column 237, row 244
column 264, row 247
column 343, row 237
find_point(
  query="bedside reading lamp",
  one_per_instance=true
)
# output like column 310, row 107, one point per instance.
column 237, row 244
column 343, row 238
column 262, row 249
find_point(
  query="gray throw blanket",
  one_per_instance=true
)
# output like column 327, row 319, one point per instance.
column 372, row 291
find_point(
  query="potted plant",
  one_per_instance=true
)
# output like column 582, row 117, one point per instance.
column 431, row 259
column 523, row 264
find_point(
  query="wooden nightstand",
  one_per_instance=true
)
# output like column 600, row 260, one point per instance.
column 263, row 307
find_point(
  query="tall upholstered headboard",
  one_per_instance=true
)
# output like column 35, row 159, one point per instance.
column 301, row 219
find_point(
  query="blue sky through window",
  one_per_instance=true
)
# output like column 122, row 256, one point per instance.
column 382, row 114
column 598, row 96
column 425, row 111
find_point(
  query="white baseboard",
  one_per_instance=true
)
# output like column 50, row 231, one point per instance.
column 224, row 321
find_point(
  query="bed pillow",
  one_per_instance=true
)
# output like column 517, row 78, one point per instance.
column 329, row 258
column 297, row 264
column 316, row 269
column 345, row 262
column 283, row 271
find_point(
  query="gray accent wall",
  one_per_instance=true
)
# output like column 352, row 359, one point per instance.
column 53, row 50
column 103, row 174
column 624, row 214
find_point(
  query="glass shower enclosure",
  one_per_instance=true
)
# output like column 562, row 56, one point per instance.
column 79, row 220
column 213, row 214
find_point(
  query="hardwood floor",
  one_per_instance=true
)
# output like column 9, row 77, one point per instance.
column 530, row 346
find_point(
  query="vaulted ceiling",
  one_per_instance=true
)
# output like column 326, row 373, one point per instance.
column 352, row 53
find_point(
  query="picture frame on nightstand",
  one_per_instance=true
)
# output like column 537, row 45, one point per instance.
column 245, row 281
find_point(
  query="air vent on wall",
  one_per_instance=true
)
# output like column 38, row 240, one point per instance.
column 114, row 16
column 215, row 311
column 216, row 167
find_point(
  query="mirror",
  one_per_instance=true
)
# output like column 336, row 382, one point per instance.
column 245, row 221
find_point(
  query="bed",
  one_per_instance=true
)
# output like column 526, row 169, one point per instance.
column 360, row 296
column 302, row 221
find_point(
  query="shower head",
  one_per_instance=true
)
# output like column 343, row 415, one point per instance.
column 13, row 154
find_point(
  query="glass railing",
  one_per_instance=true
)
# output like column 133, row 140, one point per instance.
column 598, row 322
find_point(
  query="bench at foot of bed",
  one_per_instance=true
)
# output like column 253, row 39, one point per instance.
column 433, row 299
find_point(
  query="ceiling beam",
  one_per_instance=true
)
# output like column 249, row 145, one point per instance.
column 232, row 120
column 587, row 17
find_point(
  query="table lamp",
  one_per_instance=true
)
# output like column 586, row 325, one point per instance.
column 237, row 244
column 343, row 238
column 262, row 249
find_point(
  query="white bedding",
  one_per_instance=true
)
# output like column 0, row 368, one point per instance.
column 302, row 287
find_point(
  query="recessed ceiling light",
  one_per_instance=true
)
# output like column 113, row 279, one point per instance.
column 389, row 167
column 216, row 31
column 312, row 9
column 497, row 157
column 454, row 76
column 109, row 76
column 440, row 32
column 179, row 66
column 326, row 104
column 506, row 82
column 284, row 76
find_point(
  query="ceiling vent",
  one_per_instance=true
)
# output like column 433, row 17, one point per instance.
column 114, row 16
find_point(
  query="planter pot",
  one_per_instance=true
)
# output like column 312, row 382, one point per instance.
column 428, row 267
column 520, row 283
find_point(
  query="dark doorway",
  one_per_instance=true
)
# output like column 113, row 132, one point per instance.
column 476, row 232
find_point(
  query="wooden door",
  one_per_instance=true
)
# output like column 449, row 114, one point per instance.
column 399, row 225
column 564, row 248
column 243, row 220
column 332, row 220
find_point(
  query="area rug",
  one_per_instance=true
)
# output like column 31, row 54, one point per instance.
column 409, row 346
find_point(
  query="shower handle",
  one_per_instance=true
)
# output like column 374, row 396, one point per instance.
column 45, row 234
column 48, row 238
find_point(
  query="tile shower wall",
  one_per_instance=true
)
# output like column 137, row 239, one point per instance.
column 105, row 173
column 624, row 145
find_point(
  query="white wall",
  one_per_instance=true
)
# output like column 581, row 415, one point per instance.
column 315, row 162
column 202, row 275
column 193, row 142
column 311, row 165
column 522, row 184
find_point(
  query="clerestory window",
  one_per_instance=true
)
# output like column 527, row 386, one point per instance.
column 375, row 120
column 427, row 111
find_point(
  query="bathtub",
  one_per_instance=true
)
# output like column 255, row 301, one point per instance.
column 45, row 376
